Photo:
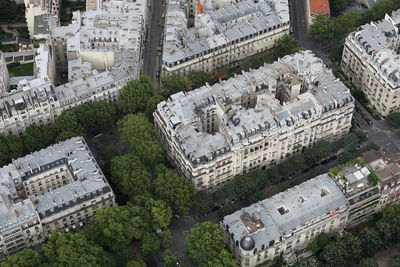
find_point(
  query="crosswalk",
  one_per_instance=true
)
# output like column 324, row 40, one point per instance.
column 372, row 130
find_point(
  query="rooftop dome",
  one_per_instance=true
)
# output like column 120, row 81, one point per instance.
column 247, row 243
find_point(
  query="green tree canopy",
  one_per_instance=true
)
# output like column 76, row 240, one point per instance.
column 175, row 190
column 67, row 122
column 393, row 120
column 122, row 166
column 151, row 106
column 136, row 184
column 38, row 137
column 135, row 94
column 174, row 83
column 322, row 28
column 170, row 259
column 11, row 147
column 120, row 224
column 368, row 262
column 158, row 212
column 317, row 153
column 394, row 261
column 66, row 249
column 96, row 116
column 286, row 45
column 24, row 258
column 339, row 5
column 136, row 131
column 198, row 78
column 150, row 244
column 205, row 246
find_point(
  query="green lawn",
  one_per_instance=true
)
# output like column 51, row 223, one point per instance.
column 16, row 70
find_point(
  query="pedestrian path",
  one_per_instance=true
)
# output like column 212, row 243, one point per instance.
column 372, row 130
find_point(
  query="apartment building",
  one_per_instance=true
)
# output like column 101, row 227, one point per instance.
column 387, row 171
column 253, row 120
column 362, row 194
column 59, row 187
column 38, row 11
column 89, row 60
column 285, row 223
column 372, row 62
column 4, row 75
column 207, row 34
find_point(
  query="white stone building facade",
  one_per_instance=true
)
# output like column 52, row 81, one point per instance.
column 254, row 120
column 371, row 60
column 223, row 32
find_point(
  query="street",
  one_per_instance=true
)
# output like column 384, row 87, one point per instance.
column 151, row 59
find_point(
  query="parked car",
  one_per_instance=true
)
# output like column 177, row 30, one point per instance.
column 364, row 116
column 368, row 121
column 358, row 109
column 358, row 124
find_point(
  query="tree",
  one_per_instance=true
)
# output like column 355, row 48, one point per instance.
column 339, row 5
column 286, row 45
column 123, row 165
column 335, row 254
column 11, row 147
column 322, row 28
column 24, row 258
column 136, row 263
column 319, row 243
column 336, row 52
column 370, row 240
column 206, row 245
column 123, row 256
column 166, row 239
column 175, row 190
column 135, row 94
column 198, row 78
column 317, row 153
column 368, row 262
column 309, row 262
column 7, row 11
column 150, row 244
column 354, row 245
column 96, row 116
column 360, row 96
column 203, row 201
column 136, row 184
column 138, row 133
column 394, row 261
column 38, row 137
column 223, row 259
column 120, row 224
column 170, row 259
column 66, row 249
column 160, row 214
column 151, row 106
column 393, row 119
column 174, row 83
column 68, row 126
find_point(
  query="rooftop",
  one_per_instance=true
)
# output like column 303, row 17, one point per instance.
column 219, row 24
column 320, row 7
column 87, row 179
column 380, row 40
column 267, row 220
column 239, row 122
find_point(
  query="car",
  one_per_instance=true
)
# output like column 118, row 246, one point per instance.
column 157, row 73
column 358, row 124
column 368, row 121
column 364, row 116
column 159, row 50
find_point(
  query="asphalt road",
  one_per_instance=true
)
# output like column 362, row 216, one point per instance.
column 380, row 133
column 151, row 59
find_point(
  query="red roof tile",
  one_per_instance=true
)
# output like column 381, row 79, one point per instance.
column 319, row 7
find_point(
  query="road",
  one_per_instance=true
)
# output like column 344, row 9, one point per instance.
column 380, row 133
column 151, row 61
